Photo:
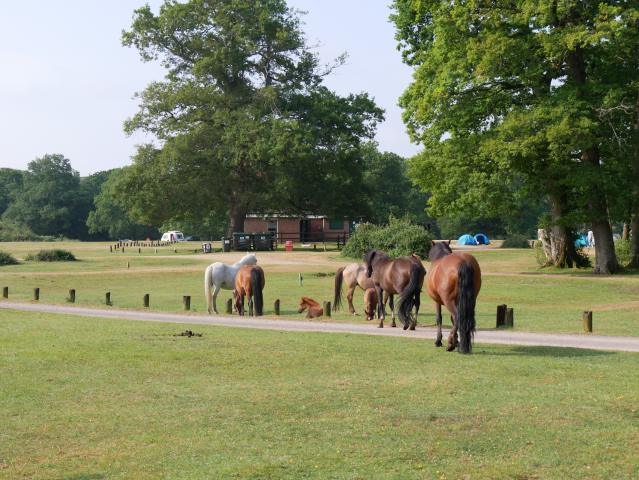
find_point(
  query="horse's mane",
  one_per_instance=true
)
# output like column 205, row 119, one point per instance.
column 439, row 250
column 375, row 255
column 310, row 301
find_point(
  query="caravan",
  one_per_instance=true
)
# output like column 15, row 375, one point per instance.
column 173, row 236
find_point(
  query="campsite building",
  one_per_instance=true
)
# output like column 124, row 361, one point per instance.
column 299, row 228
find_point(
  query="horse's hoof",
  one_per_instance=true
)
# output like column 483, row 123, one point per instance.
column 412, row 327
column 380, row 326
column 394, row 326
column 438, row 343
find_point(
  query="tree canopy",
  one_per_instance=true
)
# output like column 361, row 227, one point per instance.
column 243, row 119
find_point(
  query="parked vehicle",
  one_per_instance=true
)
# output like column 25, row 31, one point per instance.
column 173, row 236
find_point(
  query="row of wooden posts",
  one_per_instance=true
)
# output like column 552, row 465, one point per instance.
column 122, row 250
column 146, row 301
column 505, row 315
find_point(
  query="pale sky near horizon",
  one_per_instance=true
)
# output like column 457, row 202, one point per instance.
column 67, row 83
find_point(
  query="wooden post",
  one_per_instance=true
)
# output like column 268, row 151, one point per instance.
column 186, row 301
column 229, row 306
column 510, row 318
column 586, row 318
column 72, row 295
column 111, row 248
column 5, row 292
column 139, row 250
column 122, row 248
column 301, row 278
column 327, row 309
column 276, row 306
column 128, row 264
column 107, row 298
column 156, row 250
column 36, row 294
column 501, row 316
column 146, row 300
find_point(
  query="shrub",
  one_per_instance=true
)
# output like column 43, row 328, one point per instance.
column 622, row 249
column 399, row 238
column 516, row 240
column 55, row 255
column 7, row 259
column 11, row 232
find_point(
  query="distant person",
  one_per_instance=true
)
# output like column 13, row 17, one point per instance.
column 591, row 238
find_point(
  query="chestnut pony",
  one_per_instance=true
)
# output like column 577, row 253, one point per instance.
column 249, row 282
column 403, row 276
column 313, row 309
column 454, row 280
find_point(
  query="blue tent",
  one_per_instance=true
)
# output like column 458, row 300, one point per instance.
column 482, row 239
column 466, row 240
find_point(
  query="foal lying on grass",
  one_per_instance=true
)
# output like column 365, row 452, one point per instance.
column 313, row 309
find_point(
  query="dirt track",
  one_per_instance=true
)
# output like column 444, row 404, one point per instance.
column 594, row 342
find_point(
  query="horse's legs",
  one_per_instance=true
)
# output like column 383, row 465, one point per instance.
column 380, row 305
column 250, row 305
column 413, row 322
column 391, row 304
column 349, row 297
column 241, row 305
column 452, row 337
column 438, row 320
column 216, row 290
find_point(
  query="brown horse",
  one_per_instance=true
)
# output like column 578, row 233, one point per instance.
column 403, row 276
column 313, row 309
column 249, row 282
column 354, row 275
column 454, row 280
column 370, row 303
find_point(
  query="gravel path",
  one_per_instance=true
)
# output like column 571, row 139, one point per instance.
column 504, row 337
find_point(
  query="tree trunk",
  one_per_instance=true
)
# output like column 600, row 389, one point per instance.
column 625, row 234
column 605, row 255
column 634, row 242
column 237, row 216
column 562, row 252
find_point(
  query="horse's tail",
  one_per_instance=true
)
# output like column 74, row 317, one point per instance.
column 337, row 297
column 466, row 306
column 407, row 297
column 257, row 279
column 208, row 283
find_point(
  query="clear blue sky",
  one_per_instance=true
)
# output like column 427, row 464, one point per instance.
column 67, row 83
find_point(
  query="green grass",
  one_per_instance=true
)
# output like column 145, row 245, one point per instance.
column 544, row 300
column 86, row 398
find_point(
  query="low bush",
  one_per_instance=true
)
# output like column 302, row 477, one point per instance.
column 55, row 255
column 622, row 249
column 7, row 259
column 399, row 238
column 516, row 241
column 10, row 232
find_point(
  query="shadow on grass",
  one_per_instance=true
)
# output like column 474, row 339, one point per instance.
column 551, row 352
column 84, row 476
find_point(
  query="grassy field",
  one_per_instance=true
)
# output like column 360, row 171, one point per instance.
column 86, row 398
column 543, row 300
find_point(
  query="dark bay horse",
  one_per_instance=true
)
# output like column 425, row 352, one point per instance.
column 249, row 282
column 454, row 280
column 403, row 276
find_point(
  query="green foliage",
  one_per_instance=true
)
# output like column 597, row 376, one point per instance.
column 516, row 241
column 10, row 185
column 399, row 238
column 11, row 232
column 50, row 200
column 7, row 259
column 53, row 255
column 244, row 121
column 623, row 251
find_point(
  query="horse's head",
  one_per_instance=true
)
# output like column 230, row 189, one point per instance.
column 303, row 304
column 439, row 250
column 248, row 259
column 370, row 302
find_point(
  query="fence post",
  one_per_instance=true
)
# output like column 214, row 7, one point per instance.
column 276, row 306
column 229, row 306
column 5, row 292
column 586, row 319
column 186, row 301
column 36, row 294
column 327, row 309
column 111, row 248
column 72, row 295
column 501, row 316
column 107, row 298
column 301, row 278
column 146, row 300
column 510, row 318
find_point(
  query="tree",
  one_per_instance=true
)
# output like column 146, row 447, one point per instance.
column 514, row 89
column 109, row 216
column 10, row 185
column 244, row 122
column 48, row 202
